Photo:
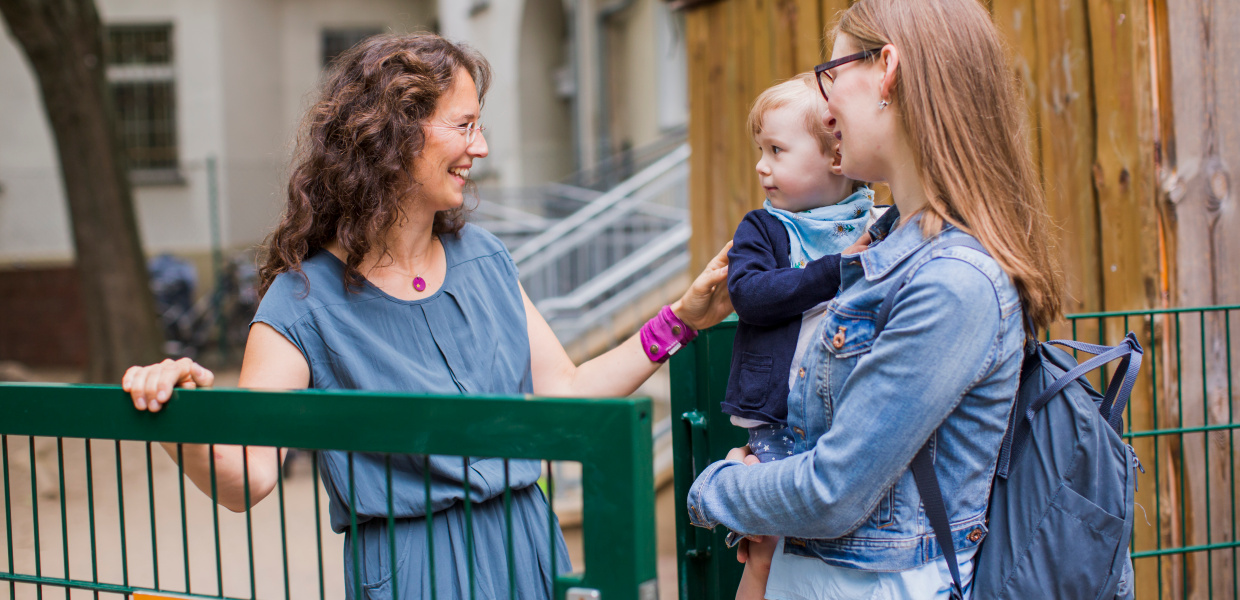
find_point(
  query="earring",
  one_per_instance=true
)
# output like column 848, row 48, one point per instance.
column 883, row 104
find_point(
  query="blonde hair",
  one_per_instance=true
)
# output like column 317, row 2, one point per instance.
column 798, row 92
column 958, row 100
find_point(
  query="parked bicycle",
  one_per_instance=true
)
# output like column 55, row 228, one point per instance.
column 217, row 319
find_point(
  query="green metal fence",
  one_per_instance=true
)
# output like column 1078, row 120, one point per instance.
column 1181, row 421
column 92, row 509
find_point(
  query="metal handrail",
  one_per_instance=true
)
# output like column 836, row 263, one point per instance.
column 570, row 330
column 540, row 249
column 604, row 282
column 611, row 250
column 589, row 231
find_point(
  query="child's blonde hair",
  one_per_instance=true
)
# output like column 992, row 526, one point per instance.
column 799, row 92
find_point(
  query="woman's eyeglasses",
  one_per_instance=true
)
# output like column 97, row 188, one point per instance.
column 470, row 131
column 823, row 71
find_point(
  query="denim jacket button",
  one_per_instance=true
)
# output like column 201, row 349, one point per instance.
column 799, row 431
column 801, row 373
column 838, row 340
column 975, row 535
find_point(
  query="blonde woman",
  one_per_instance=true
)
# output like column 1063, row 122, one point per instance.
column 920, row 95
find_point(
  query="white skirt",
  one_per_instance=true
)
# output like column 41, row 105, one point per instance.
column 800, row 578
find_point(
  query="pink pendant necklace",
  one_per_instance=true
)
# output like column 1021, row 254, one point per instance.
column 419, row 284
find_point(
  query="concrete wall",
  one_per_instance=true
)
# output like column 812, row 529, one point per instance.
column 33, row 216
column 492, row 29
column 646, row 83
column 545, row 127
column 540, row 127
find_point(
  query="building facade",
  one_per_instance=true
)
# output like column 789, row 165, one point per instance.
column 210, row 94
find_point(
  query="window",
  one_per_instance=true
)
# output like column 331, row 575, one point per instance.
column 142, row 80
column 336, row 41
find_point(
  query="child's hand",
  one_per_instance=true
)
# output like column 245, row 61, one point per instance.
column 860, row 245
column 742, row 550
column 742, row 454
column 760, row 548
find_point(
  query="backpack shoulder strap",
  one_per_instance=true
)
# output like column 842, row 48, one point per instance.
column 1112, row 409
column 936, row 510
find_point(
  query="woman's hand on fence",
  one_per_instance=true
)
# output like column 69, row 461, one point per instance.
column 151, row 386
column 706, row 302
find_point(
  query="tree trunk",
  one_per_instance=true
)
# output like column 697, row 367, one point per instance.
column 63, row 39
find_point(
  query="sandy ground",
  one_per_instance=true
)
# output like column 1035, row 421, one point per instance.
column 261, row 555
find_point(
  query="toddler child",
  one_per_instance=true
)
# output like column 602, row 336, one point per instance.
column 784, row 264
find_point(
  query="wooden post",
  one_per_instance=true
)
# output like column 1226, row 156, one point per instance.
column 1125, row 187
column 1066, row 145
column 1204, row 158
column 1014, row 18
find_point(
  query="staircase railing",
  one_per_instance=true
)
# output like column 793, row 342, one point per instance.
column 618, row 247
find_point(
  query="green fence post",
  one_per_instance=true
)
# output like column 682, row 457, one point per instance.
column 701, row 434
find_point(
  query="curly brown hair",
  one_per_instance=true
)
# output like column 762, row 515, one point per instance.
column 354, row 160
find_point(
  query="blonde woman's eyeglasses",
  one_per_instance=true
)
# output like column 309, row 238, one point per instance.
column 470, row 131
column 825, row 70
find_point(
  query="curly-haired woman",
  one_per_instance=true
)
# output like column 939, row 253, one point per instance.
column 374, row 281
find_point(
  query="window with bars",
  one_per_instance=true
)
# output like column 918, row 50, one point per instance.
column 337, row 40
column 142, row 79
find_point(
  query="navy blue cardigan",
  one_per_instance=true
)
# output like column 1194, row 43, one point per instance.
column 769, row 297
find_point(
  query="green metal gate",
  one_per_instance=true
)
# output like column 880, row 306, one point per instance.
column 1181, row 421
column 89, row 515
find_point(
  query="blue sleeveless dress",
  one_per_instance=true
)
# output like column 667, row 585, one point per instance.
column 469, row 337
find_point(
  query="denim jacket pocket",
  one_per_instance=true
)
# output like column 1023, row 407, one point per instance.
column 847, row 332
column 885, row 514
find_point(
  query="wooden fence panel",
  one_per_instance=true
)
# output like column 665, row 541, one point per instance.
column 1066, row 144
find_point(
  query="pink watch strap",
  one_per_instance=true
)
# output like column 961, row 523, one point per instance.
column 664, row 334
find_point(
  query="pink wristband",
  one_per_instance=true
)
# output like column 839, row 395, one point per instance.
column 663, row 335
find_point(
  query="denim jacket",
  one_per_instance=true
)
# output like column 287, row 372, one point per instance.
column 946, row 364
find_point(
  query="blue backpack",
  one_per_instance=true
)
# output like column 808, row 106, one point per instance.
column 1061, row 504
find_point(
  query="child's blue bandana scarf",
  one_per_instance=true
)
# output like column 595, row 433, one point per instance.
column 824, row 230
